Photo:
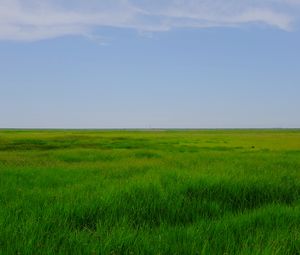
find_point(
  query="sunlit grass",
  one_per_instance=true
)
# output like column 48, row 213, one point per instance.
column 155, row 192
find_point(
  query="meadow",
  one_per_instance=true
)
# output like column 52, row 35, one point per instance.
column 150, row 192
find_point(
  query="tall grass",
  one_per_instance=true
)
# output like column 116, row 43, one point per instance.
column 159, row 192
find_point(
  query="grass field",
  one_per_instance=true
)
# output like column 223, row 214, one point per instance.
column 150, row 192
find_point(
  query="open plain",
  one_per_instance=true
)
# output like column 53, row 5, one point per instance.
column 150, row 192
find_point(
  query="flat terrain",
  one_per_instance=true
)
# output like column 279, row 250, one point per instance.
column 150, row 192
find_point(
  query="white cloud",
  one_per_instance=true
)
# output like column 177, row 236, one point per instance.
column 29, row 20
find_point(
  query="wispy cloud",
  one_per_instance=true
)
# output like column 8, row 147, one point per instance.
column 30, row 20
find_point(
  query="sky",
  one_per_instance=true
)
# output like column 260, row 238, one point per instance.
column 149, row 64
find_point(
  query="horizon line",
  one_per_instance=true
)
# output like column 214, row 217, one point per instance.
column 148, row 129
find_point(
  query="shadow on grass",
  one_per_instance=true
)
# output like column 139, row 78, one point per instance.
column 151, row 205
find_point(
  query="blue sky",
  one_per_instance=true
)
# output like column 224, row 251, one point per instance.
column 141, row 64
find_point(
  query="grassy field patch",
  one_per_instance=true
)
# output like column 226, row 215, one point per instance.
column 150, row 192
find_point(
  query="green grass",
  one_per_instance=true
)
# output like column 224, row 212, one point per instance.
column 155, row 192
